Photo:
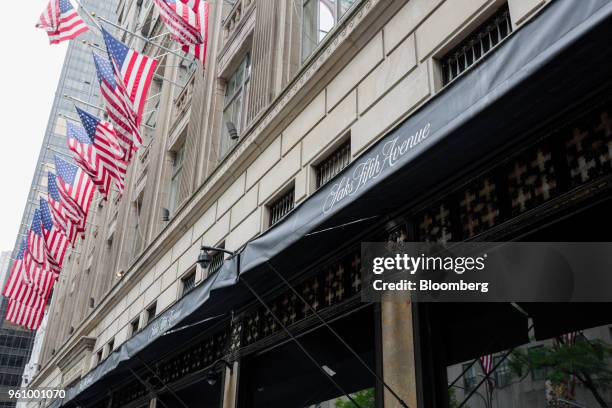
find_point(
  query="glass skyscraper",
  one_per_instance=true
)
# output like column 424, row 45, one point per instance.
column 78, row 80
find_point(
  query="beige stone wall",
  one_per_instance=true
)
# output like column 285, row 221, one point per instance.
column 372, row 72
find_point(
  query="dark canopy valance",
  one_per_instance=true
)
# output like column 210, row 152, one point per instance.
column 539, row 70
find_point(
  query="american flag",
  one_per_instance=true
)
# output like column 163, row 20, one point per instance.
column 61, row 21
column 36, row 241
column 568, row 339
column 16, row 272
column 119, row 108
column 75, row 187
column 67, row 220
column 25, row 272
column 28, row 313
column 487, row 363
column 187, row 21
column 106, row 146
column 85, row 155
column 134, row 69
column 56, row 241
column 28, row 289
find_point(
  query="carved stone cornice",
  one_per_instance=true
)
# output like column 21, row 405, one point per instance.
column 83, row 344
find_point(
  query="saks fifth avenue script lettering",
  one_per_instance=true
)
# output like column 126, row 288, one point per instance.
column 370, row 167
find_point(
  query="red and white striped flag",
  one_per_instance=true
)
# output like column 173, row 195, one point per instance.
column 487, row 363
column 568, row 339
column 187, row 21
column 36, row 241
column 68, row 220
column 86, row 158
column 75, row 187
column 119, row 108
column 56, row 241
column 106, row 146
column 61, row 21
column 28, row 289
column 26, row 314
column 16, row 272
column 133, row 69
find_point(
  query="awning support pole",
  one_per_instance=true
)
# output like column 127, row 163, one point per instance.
column 295, row 340
column 335, row 333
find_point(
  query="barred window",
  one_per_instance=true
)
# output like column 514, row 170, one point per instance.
column 334, row 163
column 188, row 283
column 503, row 373
column 470, row 377
column 281, row 207
column 477, row 44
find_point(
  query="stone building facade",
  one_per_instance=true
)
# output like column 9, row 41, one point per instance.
column 292, row 92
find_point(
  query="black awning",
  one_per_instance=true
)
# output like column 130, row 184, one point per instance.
column 535, row 73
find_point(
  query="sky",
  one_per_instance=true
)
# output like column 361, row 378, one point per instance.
column 29, row 70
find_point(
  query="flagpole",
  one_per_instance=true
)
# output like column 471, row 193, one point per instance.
column 61, row 115
column 59, row 152
column 154, row 75
column 89, row 15
column 72, row 98
column 161, row 47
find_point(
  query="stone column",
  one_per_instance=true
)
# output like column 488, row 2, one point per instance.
column 230, row 387
column 398, row 359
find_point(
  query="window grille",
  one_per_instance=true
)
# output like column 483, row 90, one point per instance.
column 503, row 374
column 333, row 164
column 470, row 378
column 216, row 261
column 188, row 283
column 281, row 207
column 476, row 45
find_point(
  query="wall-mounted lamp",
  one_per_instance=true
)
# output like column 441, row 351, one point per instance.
column 205, row 258
column 211, row 375
column 165, row 214
column 231, row 129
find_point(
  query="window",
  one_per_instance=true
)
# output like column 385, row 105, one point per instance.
column 175, row 180
column 333, row 164
column 99, row 356
column 319, row 17
column 281, row 207
column 110, row 346
column 138, row 234
column 477, row 44
column 151, row 312
column 235, row 104
column 188, row 283
column 134, row 326
column 503, row 375
column 470, row 377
